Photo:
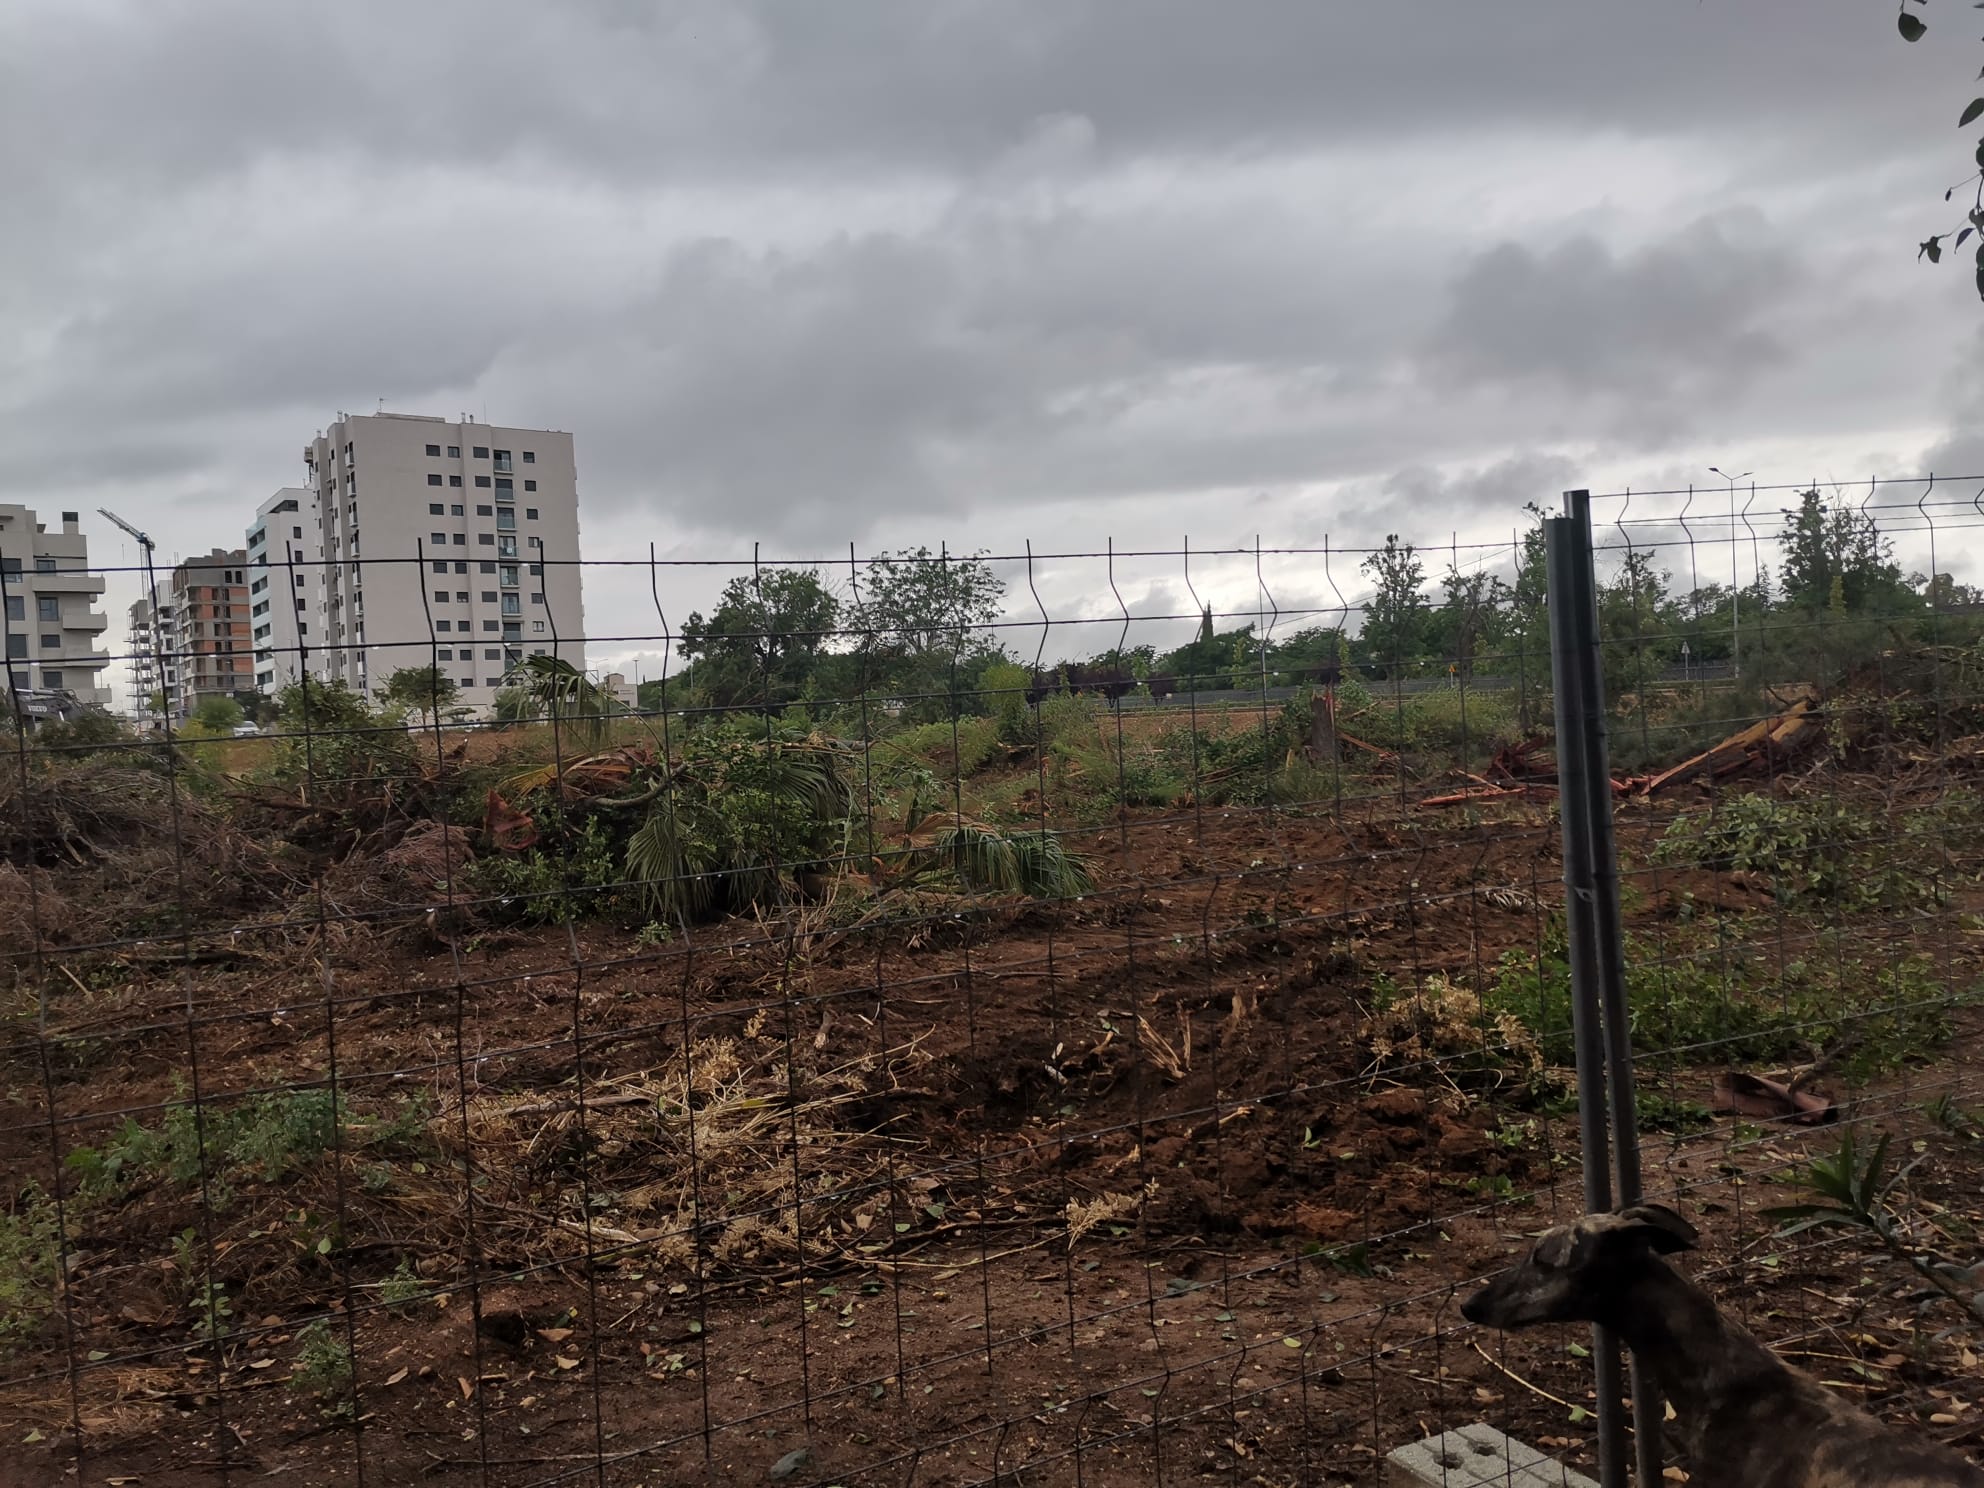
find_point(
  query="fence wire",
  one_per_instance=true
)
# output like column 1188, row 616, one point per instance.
column 985, row 1019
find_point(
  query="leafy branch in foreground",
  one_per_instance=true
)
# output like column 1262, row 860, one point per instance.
column 1914, row 28
column 1856, row 1196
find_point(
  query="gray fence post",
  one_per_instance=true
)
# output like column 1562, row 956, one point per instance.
column 1608, row 1125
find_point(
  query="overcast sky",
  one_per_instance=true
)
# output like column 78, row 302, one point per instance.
column 889, row 272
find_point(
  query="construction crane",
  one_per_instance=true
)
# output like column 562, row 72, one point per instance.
column 143, row 541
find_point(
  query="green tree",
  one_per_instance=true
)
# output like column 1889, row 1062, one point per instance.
column 921, row 619
column 1393, row 635
column 424, row 690
column 218, row 714
column 1472, row 619
column 760, row 643
column 1839, row 553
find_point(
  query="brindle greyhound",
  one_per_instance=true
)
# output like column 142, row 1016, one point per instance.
column 1747, row 1419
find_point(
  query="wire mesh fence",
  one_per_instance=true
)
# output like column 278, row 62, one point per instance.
column 1030, row 1018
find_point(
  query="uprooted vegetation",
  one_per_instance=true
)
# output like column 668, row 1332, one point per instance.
column 696, row 1015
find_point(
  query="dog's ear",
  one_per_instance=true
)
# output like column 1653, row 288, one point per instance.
column 1658, row 1227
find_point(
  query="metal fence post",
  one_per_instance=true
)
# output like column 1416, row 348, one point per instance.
column 1565, row 553
column 1593, row 737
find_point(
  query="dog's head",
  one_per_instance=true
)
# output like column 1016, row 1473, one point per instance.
column 1573, row 1271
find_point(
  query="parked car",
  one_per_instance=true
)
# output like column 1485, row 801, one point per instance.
column 245, row 731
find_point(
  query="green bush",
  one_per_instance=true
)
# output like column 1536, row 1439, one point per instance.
column 1821, row 848
column 1689, row 1011
column 29, row 1243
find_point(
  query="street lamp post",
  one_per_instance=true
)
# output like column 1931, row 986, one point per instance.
column 1735, row 589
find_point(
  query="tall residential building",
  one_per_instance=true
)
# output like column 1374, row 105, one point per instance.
column 52, row 622
column 210, row 643
column 449, row 544
column 285, row 587
column 154, row 668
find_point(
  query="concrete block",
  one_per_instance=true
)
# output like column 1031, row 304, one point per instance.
column 1477, row 1456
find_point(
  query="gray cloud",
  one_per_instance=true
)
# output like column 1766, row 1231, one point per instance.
column 1688, row 317
column 907, row 270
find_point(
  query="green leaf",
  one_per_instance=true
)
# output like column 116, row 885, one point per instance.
column 1976, row 108
column 1930, row 248
column 1910, row 28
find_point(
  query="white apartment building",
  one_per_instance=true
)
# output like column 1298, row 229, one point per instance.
column 52, row 623
column 154, row 666
column 446, row 544
column 285, row 587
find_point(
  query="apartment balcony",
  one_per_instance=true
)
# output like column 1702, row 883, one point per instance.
column 505, row 464
column 72, row 581
column 94, row 623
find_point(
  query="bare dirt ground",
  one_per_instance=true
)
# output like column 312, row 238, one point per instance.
column 1106, row 1193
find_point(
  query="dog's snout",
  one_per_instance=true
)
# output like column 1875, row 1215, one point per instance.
column 1475, row 1308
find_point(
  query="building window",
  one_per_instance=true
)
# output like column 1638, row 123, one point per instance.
column 50, row 679
column 506, row 489
column 537, row 570
column 484, row 511
column 439, row 539
column 530, row 485
column 10, row 565
column 454, row 480
column 506, row 547
column 434, row 479
column 492, row 653
column 530, row 457
column 444, row 625
column 461, row 596
column 44, row 565
column 440, row 596
column 481, row 452
column 530, row 513
column 486, row 539
column 17, row 645
column 512, row 605
column 441, row 566
column 489, row 625
column 47, row 607
column 455, row 510
column 16, row 607
column 461, row 539
column 506, row 520
column 482, row 481
column 468, row 681
column 461, row 568
column 434, row 508
column 537, row 627
column 509, row 575
column 454, row 452
column 489, row 596
column 446, row 653
column 51, row 643
column 537, row 599
column 434, row 451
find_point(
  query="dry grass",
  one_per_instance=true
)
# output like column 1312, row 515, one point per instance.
column 790, row 1155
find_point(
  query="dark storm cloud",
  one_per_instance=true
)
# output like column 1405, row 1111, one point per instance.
column 1688, row 316
column 902, row 270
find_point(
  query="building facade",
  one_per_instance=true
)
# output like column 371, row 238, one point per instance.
column 211, row 650
column 285, row 588
column 154, row 669
column 53, row 623
column 446, row 544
